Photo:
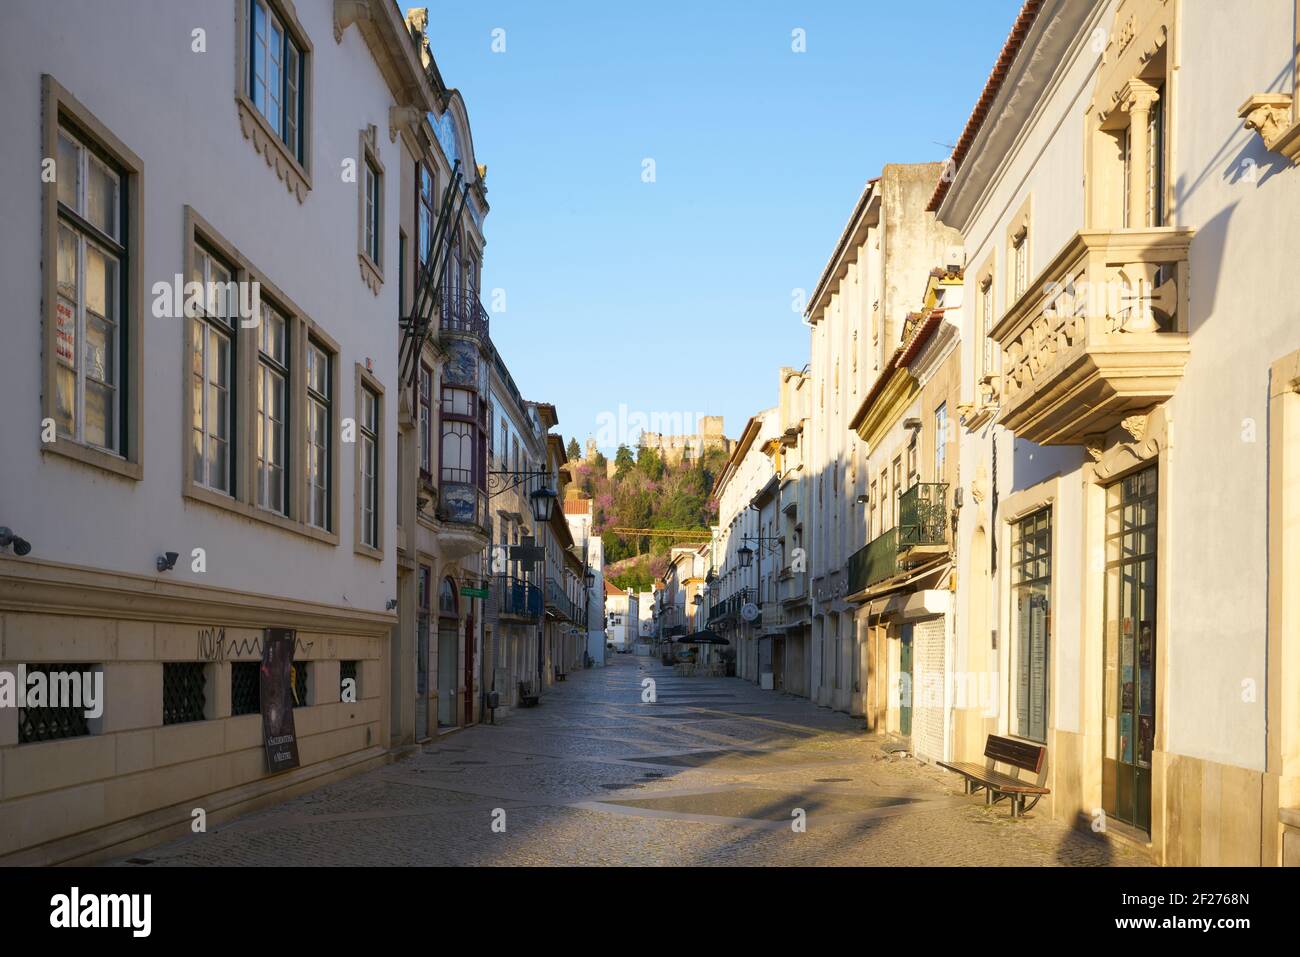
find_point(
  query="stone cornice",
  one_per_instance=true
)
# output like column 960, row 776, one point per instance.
column 45, row 587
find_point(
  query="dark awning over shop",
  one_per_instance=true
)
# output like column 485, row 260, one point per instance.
column 705, row 637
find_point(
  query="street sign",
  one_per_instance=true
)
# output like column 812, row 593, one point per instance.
column 749, row 611
column 527, row 554
column 473, row 592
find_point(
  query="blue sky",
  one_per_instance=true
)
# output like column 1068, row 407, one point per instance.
column 675, row 296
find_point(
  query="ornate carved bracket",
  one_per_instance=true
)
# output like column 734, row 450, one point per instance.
column 399, row 116
column 348, row 12
column 1151, row 434
column 1271, row 115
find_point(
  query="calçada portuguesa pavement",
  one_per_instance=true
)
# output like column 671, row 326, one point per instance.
column 715, row 771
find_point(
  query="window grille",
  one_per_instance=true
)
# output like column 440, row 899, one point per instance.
column 53, row 723
column 245, row 687
column 183, row 691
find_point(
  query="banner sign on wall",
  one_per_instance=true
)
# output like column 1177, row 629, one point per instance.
column 276, row 688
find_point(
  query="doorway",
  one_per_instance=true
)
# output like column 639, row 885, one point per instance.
column 1130, row 662
column 468, row 684
column 448, row 652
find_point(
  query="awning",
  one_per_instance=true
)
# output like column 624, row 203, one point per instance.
column 705, row 637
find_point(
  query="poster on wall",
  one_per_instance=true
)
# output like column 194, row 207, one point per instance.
column 276, row 680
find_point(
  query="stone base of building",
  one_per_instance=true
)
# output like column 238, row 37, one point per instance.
column 134, row 775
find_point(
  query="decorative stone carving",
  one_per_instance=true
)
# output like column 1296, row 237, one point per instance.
column 271, row 149
column 348, row 12
column 399, row 116
column 1273, row 117
column 1135, row 425
column 1120, row 457
column 1067, row 354
column 1096, row 445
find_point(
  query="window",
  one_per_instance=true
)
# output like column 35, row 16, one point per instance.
column 424, row 213
column 983, row 344
column 90, row 358
column 1019, row 263
column 91, row 288
column 319, row 418
column 63, row 715
column 272, row 412
column 426, row 421
column 369, row 444
column 372, row 206
column 1031, row 580
column 213, row 371
column 873, row 518
column 886, row 513
column 276, row 74
column 457, row 452
column 401, row 273
column 1155, row 162
column 245, row 687
column 897, row 489
column 458, row 402
column 505, row 443
column 941, row 442
column 349, row 689
column 298, row 683
column 183, row 691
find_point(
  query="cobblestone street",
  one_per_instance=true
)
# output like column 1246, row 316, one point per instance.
column 709, row 774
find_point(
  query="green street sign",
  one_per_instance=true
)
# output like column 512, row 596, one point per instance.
column 473, row 592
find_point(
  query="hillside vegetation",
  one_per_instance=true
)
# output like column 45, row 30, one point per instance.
column 644, row 492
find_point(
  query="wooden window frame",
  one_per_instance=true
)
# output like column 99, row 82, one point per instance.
column 370, row 254
column 292, row 167
column 364, row 382
column 60, row 106
column 299, row 327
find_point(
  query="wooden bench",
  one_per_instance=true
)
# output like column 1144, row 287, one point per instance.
column 1018, row 755
column 526, row 698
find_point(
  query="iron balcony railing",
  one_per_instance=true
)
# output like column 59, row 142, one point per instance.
column 515, row 596
column 922, row 521
column 559, row 603
column 874, row 561
column 463, row 313
column 923, row 515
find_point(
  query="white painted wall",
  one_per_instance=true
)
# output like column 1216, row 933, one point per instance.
column 175, row 109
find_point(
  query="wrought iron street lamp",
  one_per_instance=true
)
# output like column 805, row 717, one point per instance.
column 543, row 502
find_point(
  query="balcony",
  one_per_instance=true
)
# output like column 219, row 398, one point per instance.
column 923, row 522
column 558, row 604
column 1100, row 335
column 517, row 598
column 874, row 562
column 794, row 585
column 461, row 519
column 462, row 314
